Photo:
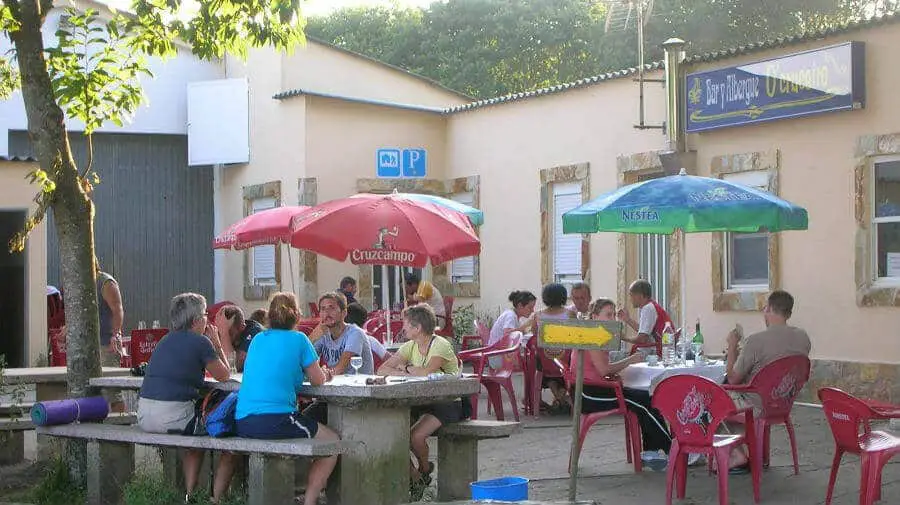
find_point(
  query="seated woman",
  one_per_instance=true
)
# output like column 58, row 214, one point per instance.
column 510, row 319
column 238, row 331
column 173, row 379
column 280, row 360
column 423, row 354
column 554, row 297
column 654, row 433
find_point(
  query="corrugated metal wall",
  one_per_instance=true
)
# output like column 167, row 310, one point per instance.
column 154, row 221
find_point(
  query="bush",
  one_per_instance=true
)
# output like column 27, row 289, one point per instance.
column 57, row 487
column 150, row 489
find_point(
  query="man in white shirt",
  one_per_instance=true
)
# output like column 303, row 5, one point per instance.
column 580, row 293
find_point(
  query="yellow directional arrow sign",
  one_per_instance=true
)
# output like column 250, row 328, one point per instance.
column 580, row 334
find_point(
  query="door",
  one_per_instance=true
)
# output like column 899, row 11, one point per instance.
column 13, row 294
column 387, row 285
column 653, row 259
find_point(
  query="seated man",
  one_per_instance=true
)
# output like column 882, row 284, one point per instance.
column 652, row 318
column 776, row 341
column 348, row 289
column 336, row 342
column 580, row 293
column 419, row 291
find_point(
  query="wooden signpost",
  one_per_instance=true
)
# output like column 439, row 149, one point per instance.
column 579, row 336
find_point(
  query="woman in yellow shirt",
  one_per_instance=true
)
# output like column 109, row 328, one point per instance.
column 425, row 353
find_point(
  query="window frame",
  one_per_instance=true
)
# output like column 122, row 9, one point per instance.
column 253, row 280
column 874, row 221
column 473, row 277
column 575, row 188
column 728, row 263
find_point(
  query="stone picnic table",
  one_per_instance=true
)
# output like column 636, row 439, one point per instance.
column 51, row 383
column 377, row 416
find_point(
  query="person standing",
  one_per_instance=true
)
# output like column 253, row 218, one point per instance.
column 112, row 317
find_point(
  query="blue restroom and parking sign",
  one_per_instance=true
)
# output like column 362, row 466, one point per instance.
column 393, row 162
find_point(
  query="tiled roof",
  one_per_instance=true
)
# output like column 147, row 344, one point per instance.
column 807, row 36
column 17, row 158
column 559, row 88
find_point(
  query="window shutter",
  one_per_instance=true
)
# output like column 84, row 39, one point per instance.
column 566, row 248
column 264, row 255
column 463, row 269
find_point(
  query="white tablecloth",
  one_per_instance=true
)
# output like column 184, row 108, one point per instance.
column 646, row 377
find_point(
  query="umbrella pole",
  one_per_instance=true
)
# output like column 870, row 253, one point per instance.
column 291, row 266
column 682, row 274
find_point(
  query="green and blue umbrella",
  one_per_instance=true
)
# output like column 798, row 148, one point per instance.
column 688, row 203
column 476, row 217
column 685, row 204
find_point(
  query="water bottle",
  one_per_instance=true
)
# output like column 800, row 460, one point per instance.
column 668, row 345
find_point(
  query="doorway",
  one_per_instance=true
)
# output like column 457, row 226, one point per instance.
column 387, row 285
column 653, row 255
column 13, row 295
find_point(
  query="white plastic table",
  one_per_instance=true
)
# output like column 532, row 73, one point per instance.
column 646, row 377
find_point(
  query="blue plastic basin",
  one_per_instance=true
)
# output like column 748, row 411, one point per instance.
column 502, row 489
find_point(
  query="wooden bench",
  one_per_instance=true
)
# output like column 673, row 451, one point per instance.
column 12, row 434
column 111, row 458
column 458, row 454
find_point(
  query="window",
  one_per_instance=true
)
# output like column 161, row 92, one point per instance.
column 463, row 269
column 886, row 220
column 566, row 247
column 262, row 271
column 747, row 254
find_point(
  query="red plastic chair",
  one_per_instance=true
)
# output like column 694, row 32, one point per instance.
column 777, row 385
column 549, row 368
column 380, row 331
column 143, row 343
column 314, row 309
column 213, row 309
column 478, row 340
column 632, row 426
column 695, row 407
column 57, row 346
column 493, row 379
column 845, row 414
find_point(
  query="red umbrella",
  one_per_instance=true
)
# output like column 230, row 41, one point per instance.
column 267, row 227
column 385, row 230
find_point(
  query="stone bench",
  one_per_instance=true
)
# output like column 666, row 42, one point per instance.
column 18, row 410
column 458, row 454
column 12, row 434
column 111, row 458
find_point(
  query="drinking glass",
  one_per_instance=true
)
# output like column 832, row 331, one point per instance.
column 356, row 362
column 232, row 361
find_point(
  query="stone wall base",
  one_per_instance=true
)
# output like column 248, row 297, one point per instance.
column 876, row 381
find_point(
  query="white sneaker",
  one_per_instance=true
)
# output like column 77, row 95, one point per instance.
column 655, row 460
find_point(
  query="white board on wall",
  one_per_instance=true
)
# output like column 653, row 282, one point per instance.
column 4, row 141
column 218, row 122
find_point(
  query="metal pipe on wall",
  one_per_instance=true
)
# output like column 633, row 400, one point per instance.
column 674, row 49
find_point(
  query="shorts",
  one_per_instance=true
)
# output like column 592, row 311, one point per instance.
column 277, row 426
column 155, row 416
column 446, row 413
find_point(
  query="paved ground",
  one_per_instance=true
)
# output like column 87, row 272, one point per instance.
column 541, row 454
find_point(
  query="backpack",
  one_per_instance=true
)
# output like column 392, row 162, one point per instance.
column 220, row 420
column 205, row 407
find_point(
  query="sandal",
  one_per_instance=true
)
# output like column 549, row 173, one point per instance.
column 417, row 490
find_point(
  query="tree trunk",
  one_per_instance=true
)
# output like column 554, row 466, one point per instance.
column 72, row 208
